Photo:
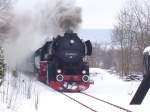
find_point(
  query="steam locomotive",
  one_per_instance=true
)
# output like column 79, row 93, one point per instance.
column 62, row 63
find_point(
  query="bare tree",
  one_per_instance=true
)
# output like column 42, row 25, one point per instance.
column 102, row 56
column 94, row 60
column 5, row 18
column 124, row 39
column 4, row 4
column 131, row 33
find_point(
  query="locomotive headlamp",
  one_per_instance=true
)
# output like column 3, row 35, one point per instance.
column 85, row 78
column 59, row 71
column 72, row 41
column 59, row 78
column 83, row 71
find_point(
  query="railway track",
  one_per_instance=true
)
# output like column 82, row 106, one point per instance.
column 94, row 104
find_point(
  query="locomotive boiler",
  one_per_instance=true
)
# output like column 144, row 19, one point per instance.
column 62, row 63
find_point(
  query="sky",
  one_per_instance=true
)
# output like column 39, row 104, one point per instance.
column 96, row 14
column 100, row 13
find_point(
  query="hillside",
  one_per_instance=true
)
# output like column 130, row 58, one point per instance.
column 96, row 35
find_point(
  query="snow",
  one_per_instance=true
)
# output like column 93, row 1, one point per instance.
column 26, row 94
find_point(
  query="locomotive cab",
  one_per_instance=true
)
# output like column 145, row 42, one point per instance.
column 62, row 63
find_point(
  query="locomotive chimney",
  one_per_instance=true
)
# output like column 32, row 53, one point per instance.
column 69, row 31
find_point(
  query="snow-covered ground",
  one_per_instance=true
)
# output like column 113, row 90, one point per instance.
column 24, row 94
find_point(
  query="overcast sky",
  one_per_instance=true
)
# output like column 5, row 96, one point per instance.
column 100, row 13
column 96, row 13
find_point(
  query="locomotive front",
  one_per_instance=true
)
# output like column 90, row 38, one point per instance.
column 63, row 64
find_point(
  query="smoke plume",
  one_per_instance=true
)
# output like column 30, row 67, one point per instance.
column 35, row 23
column 67, row 16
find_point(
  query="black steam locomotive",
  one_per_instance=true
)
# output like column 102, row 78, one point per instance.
column 62, row 64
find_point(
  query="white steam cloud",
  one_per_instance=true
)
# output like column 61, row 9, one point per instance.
column 32, row 24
